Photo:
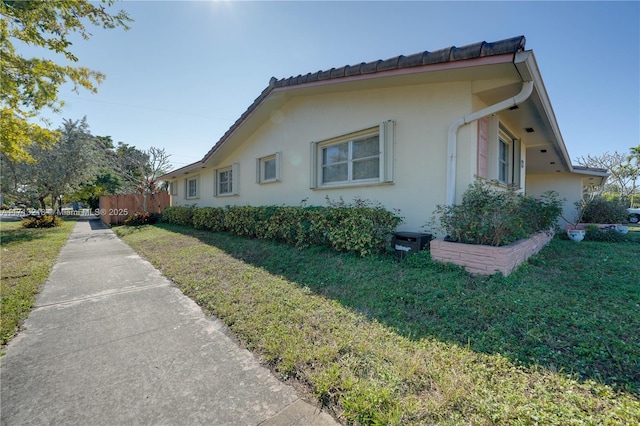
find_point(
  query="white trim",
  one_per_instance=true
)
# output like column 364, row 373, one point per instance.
column 385, row 132
column 186, row 187
column 234, row 170
column 173, row 187
column 260, row 168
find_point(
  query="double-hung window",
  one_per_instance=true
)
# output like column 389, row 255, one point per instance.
column 363, row 157
column 191, row 187
column 173, row 188
column 351, row 161
column 226, row 181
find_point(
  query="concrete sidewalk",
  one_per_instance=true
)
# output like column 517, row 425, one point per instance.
column 113, row 342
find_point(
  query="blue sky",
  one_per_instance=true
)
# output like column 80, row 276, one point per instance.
column 188, row 69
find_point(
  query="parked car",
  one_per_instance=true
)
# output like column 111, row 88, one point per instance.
column 634, row 215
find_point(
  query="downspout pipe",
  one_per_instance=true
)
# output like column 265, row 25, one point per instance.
column 452, row 136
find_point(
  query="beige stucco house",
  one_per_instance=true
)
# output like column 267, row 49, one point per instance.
column 411, row 132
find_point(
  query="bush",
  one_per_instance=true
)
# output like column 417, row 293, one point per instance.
column 363, row 228
column 607, row 235
column 42, row 221
column 209, row 218
column 599, row 210
column 179, row 215
column 139, row 219
column 498, row 217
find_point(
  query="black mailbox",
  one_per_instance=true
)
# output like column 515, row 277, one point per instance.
column 404, row 242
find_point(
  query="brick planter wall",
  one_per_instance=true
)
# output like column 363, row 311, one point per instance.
column 488, row 260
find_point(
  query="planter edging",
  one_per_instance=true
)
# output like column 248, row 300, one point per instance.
column 487, row 260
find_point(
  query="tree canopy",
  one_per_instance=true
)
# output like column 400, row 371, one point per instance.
column 30, row 85
column 624, row 173
column 82, row 167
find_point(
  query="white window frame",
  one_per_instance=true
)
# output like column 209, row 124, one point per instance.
column 233, row 169
column 261, row 168
column 385, row 132
column 187, row 194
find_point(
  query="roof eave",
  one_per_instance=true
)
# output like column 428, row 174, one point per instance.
column 273, row 89
column 527, row 66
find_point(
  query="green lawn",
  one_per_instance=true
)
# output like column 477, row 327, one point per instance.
column 27, row 256
column 380, row 341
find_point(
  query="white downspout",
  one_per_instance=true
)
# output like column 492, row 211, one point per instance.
column 452, row 137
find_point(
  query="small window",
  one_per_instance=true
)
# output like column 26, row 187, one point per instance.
column 173, row 188
column 363, row 157
column 268, row 169
column 192, row 188
column 226, row 181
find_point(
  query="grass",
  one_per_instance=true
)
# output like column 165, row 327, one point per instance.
column 415, row 342
column 27, row 257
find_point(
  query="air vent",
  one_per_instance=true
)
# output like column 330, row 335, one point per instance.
column 543, row 151
column 529, row 129
column 553, row 162
column 514, row 107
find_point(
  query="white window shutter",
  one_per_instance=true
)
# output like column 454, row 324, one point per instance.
column 387, row 142
column 517, row 168
column 278, row 156
column 235, row 178
column 313, row 170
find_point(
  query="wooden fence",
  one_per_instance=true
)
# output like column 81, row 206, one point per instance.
column 114, row 209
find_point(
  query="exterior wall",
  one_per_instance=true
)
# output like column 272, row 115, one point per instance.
column 567, row 185
column 422, row 115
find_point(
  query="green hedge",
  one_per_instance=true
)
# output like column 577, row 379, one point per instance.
column 179, row 215
column 360, row 229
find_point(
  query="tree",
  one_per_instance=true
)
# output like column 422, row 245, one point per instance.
column 30, row 85
column 107, row 182
column 624, row 172
column 59, row 170
column 140, row 171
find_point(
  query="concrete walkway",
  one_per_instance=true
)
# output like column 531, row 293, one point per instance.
column 113, row 342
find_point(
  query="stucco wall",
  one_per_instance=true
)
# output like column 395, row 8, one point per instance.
column 422, row 115
column 567, row 185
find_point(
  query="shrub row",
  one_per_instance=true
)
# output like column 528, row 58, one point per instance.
column 361, row 229
column 498, row 217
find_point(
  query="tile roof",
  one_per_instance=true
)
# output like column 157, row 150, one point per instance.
column 449, row 54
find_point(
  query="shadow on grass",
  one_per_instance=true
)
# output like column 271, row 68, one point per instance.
column 12, row 232
column 572, row 308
